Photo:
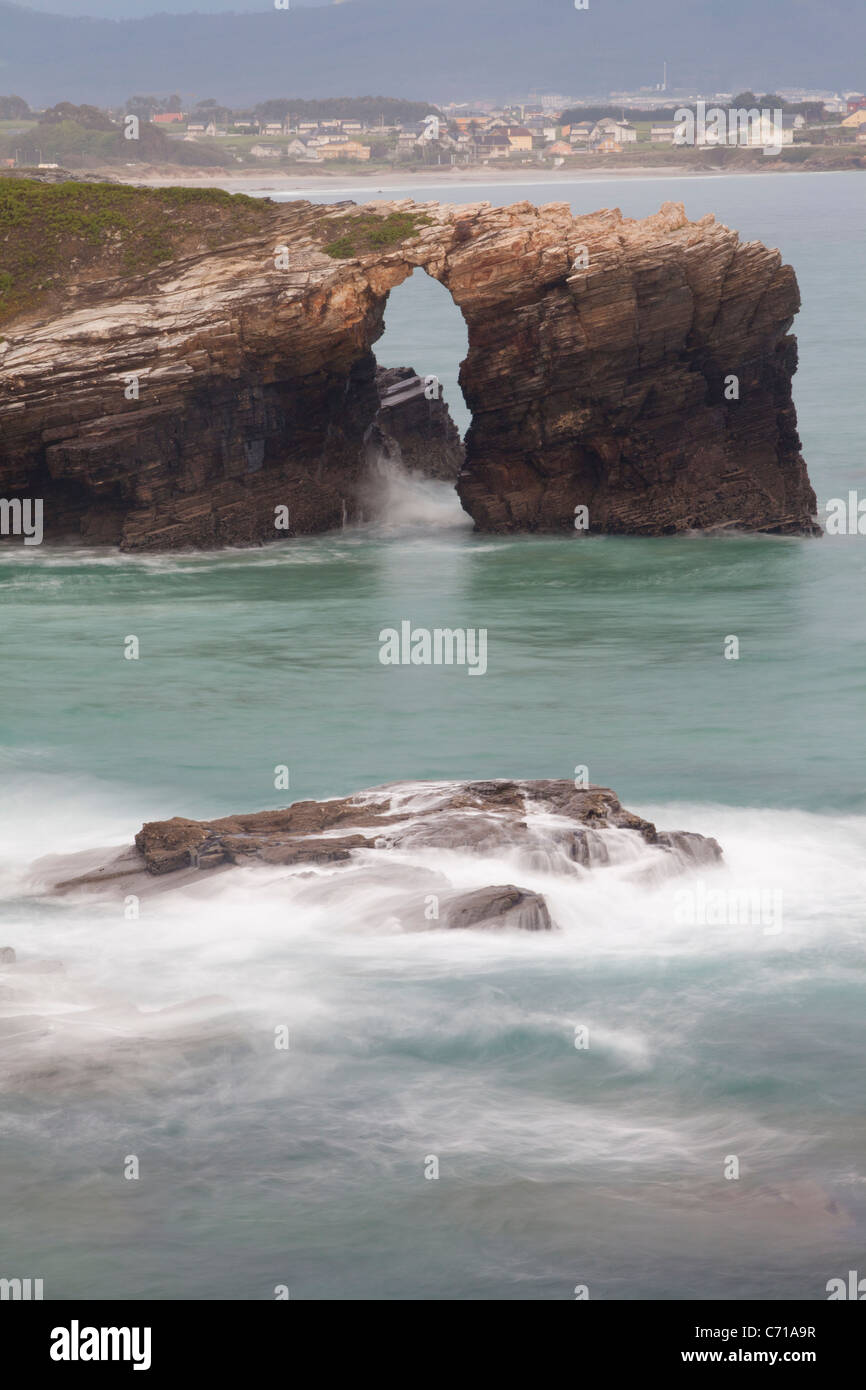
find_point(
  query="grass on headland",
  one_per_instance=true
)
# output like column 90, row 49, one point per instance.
column 368, row 232
column 51, row 233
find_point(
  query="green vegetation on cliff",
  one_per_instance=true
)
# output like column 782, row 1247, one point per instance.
column 368, row 232
column 52, row 233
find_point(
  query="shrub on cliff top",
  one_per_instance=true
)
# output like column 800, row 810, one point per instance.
column 369, row 232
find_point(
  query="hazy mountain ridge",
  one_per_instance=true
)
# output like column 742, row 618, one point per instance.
column 461, row 49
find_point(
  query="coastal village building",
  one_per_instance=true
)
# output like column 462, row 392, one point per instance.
column 493, row 146
column 519, row 138
column 167, row 118
column 266, row 152
column 344, row 149
column 607, row 130
column 663, row 134
column 856, row 119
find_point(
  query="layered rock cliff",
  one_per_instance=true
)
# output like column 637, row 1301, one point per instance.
column 638, row 369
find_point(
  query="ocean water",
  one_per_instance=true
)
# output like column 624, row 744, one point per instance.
column 736, row 1036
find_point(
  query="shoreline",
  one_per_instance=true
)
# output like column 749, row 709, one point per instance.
column 260, row 184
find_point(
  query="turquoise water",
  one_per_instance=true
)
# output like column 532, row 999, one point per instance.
column 556, row 1167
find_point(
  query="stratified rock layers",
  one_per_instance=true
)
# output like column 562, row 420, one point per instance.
column 651, row 384
column 473, row 817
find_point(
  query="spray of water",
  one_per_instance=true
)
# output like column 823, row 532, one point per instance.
column 397, row 500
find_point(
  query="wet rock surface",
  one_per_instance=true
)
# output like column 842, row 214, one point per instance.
column 548, row 817
column 409, row 856
column 403, row 844
column 499, row 907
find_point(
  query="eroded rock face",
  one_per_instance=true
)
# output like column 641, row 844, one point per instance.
column 601, row 386
column 547, row 818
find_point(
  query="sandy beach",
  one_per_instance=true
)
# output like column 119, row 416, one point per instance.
column 262, row 182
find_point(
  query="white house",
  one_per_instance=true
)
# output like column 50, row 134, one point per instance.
column 767, row 131
column 622, row 132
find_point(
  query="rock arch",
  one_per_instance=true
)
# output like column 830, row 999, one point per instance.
column 598, row 353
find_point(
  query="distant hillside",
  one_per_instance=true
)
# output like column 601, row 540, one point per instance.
column 455, row 49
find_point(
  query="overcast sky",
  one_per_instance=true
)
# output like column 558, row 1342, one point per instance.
column 135, row 9
column 460, row 50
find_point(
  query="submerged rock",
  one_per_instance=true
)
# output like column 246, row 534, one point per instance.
column 638, row 369
column 502, row 906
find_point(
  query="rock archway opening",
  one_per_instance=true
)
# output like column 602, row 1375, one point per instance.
column 415, row 449
column 425, row 330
